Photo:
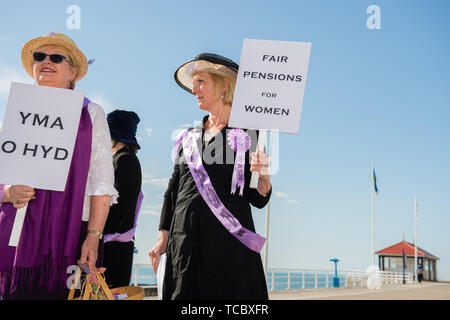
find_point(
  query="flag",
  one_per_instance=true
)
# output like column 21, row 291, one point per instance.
column 374, row 181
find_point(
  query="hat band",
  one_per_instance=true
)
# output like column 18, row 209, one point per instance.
column 206, row 66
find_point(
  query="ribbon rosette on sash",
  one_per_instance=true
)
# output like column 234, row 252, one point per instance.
column 249, row 238
column 240, row 142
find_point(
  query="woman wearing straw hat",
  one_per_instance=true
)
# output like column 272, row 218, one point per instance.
column 206, row 226
column 60, row 228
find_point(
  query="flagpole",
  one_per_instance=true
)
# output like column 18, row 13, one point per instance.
column 415, row 238
column 373, row 218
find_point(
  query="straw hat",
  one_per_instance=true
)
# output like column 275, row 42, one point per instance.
column 205, row 62
column 78, row 58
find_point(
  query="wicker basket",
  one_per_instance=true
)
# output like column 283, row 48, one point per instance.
column 99, row 290
column 132, row 292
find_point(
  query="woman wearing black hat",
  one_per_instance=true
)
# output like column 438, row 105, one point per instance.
column 206, row 226
column 121, row 222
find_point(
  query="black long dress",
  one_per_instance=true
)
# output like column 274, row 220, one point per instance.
column 204, row 261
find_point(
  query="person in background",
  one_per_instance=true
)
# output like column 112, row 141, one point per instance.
column 121, row 223
column 60, row 229
column 420, row 273
column 206, row 225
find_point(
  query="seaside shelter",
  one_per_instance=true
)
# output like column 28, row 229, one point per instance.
column 391, row 259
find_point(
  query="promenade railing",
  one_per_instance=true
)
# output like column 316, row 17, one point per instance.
column 139, row 277
column 286, row 279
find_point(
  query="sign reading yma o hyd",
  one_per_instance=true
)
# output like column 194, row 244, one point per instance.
column 38, row 135
column 270, row 85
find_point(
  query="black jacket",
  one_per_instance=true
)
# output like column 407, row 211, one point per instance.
column 128, row 180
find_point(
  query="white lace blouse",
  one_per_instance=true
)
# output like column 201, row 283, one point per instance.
column 100, row 180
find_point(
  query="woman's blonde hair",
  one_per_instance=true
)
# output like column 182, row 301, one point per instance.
column 224, row 87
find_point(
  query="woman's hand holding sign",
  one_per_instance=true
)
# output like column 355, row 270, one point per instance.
column 260, row 163
column 18, row 195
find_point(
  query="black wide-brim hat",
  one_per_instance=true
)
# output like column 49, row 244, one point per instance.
column 205, row 62
column 123, row 126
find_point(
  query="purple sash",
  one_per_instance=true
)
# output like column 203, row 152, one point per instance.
column 194, row 161
column 127, row 236
column 49, row 240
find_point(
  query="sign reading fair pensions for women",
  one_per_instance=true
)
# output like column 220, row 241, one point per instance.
column 270, row 85
column 38, row 135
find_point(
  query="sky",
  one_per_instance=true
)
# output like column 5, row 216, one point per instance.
column 376, row 96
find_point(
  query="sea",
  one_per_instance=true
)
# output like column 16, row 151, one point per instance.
column 147, row 277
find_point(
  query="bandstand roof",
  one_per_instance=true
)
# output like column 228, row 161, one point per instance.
column 396, row 250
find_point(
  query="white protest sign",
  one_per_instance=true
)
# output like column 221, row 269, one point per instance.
column 37, row 139
column 38, row 135
column 270, row 85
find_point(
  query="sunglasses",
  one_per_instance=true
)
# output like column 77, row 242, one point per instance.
column 55, row 58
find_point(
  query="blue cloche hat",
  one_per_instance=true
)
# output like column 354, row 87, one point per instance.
column 123, row 126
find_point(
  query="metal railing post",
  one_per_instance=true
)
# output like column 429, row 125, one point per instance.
column 273, row 281
column 289, row 280
column 136, row 272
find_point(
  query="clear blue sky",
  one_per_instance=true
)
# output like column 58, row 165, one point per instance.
column 378, row 96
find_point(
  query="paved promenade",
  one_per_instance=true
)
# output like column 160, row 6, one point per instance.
column 423, row 291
